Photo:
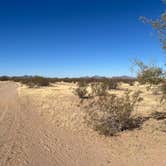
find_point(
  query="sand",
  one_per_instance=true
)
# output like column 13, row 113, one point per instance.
column 45, row 127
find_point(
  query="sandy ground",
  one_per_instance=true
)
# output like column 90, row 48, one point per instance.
column 45, row 127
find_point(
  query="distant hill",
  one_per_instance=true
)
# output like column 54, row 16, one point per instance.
column 123, row 77
column 114, row 77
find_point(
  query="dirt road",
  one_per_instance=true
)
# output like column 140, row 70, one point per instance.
column 26, row 139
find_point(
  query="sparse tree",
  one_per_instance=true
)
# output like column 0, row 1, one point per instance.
column 158, row 24
column 148, row 73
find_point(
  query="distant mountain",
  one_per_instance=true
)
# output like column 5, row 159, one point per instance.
column 123, row 77
column 114, row 77
column 95, row 77
column 98, row 77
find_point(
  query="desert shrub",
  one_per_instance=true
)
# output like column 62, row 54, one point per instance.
column 150, row 74
column 35, row 81
column 111, row 84
column 163, row 87
column 131, row 83
column 99, row 89
column 158, row 115
column 4, row 78
column 82, row 83
column 81, row 92
column 163, row 91
column 111, row 114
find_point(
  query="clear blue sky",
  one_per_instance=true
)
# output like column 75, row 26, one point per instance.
column 76, row 37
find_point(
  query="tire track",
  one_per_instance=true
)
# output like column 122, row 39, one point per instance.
column 3, row 114
column 10, row 113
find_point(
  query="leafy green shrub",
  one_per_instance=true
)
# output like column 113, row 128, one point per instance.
column 150, row 74
column 111, row 114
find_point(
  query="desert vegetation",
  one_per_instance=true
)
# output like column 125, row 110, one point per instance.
column 30, row 81
column 37, row 81
column 81, row 91
column 111, row 114
column 98, row 88
column 89, row 120
column 148, row 74
column 108, row 113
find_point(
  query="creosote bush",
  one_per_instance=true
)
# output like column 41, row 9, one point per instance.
column 158, row 115
column 111, row 84
column 81, row 91
column 150, row 74
column 163, row 90
column 4, row 78
column 31, row 81
column 82, row 83
column 99, row 89
column 111, row 114
column 131, row 83
column 36, row 81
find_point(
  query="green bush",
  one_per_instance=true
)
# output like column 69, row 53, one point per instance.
column 150, row 74
column 111, row 114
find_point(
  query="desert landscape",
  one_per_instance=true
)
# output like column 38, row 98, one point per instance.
column 45, row 126
column 83, row 83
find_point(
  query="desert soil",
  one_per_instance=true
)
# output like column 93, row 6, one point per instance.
column 45, row 127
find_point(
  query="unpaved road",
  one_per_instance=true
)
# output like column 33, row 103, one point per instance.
column 26, row 139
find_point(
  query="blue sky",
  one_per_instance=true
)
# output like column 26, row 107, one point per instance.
column 76, row 37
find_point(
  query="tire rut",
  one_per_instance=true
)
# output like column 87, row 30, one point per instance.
column 9, row 114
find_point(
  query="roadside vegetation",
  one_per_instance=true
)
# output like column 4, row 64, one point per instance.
column 111, row 114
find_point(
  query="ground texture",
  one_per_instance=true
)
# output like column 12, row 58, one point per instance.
column 45, row 127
